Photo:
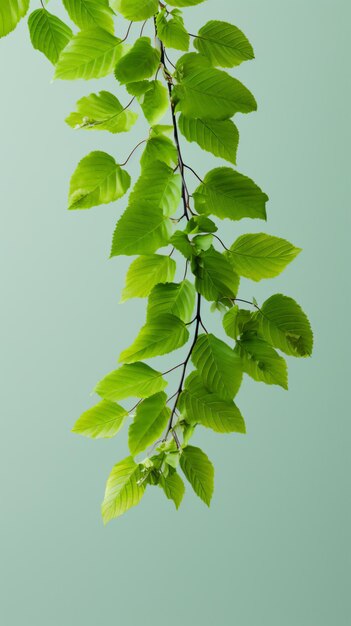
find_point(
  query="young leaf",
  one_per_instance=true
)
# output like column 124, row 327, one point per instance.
column 172, row 32
column 11, row 12
column 284, row 324
column 228, row 194
column 97, row 180
column 181, row 242
column 103, row 420
column 90, row 13
column 154, row 101
column 258, row 255
column 219, row 137
column 218, row 366
column 200, row 406
column 149, row 423
column 142, row 229
column 137, row 380
column 200, row 224
column 159, row 185
column 140, row 62
column 223, row 43
column 235, row 321
column 48, row 33
column 208, row 93
column 135, row 10
column 199, row 471
column 146, row 272
column 91, row 53
column 262, row 362
column 124, row 489
column 159, row 148
column 176, row 299
column 215, row 277
column 173, row 487
column 102, row 111
column 160, row 335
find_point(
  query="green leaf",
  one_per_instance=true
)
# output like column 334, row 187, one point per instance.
column 154, row 101
column 160, row 335
column 175, row 298
column 146, row 272
column 90, row 13
column 218, row 365
column 208, row 93
column 258, row 255
column 158, row 185
column 48, row 34
column 236, row 321
column 140, row 62
column 92, row 53
column 284, row 324
column 200, row 224
column 142, row 229
column 123, row 489
column 184, row 3
column 181, row 242
column 137, row 380
column 150, row 421
column 262, row 362
column 215, row 277
column 102, row 111
column 228, row 194
column 172, row 32
column 199, row 471
column 159, row 148
column 135, row 10
column 200, row 406
column 11, row 12
column 97, row 180
column 221, row 138
column 103, row 420
column 173, row 487
column 223, row 43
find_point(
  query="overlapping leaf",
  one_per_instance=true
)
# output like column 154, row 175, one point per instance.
column 140, row 62
column 102, row 111
column 172, row 32
column 11, row 12
column 262, row 362
column 91, row 53
column 215, row 277
column 175, row 298
column 218, row 366
column 135, row 10
column 284, row 324
column 146, row 272
column 90, row 13
column 149, row 423
column 159, row 186
column 154, row 101
column 136, row 380
column 97, row 180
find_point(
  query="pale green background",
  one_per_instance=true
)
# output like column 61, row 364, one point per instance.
column 273, row 549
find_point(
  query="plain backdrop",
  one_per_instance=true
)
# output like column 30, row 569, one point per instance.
column 274, row 548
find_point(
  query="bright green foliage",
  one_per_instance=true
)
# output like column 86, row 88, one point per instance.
column 199, row 471
column 146, row 272
column 285, row 326
column 262, row 362
column 141, row 230
column 135, row 10
column 124, row 489
column 200, row 406
column 173, row 487
column 218, row 366
column 260, row 256
column 48, row 33
column 103, row 420
column 97, row 180
column 102, row 111
column 11, row 11
column 226, row 193
column 169, row 225
column 140, row 62
column 150, row 421
column 219, row 137
column 212, row 94
column 90, row 13
column 223, row 44
column 160, row 335
column 175, row 298
column 171, row 31
column 135, row 380
column 154, row 101
column 92, row 53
